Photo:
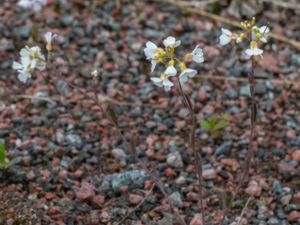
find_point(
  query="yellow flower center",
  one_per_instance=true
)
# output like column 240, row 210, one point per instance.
column 253, row 45
column 164, row 76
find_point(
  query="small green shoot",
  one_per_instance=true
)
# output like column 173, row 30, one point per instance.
column 213, row 125
column 5, row 163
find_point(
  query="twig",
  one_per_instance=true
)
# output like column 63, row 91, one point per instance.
column 197, row 154
column 201, row 12
column 138, row 206
column 243, row 211
column 47, row 99
column 283, row 4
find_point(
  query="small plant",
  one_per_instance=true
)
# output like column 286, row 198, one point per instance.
column 5, row 163
column 214, row 126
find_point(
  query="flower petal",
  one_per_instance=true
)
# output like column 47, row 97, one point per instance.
column 169, row 41
column 171, row 71
column 23, row 76
column 224, row 39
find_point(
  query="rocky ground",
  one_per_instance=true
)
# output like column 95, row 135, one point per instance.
column 71, row 167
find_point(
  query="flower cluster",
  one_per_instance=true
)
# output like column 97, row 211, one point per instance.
column 167, row 57
column 34, row 5
column 32, row 58
column 252, row 33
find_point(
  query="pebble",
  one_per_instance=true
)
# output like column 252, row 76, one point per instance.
column 174, row 159
column 74, row 140
column 135, row 199
column 245, row 91
column 86, row 192
column 231, row 93
column 273, row 221
column 209, row 174
column 254, row 189
column 279, row 152
column 175, row 197
column 224, row 149
column 277, row 187
column 62, row 87
column 296, row 155
column 260, row 88
column 119, row 154
column 133, row 179
column 197, row 219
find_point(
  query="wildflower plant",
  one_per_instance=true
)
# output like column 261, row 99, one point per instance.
column 255, row 36
column 214, row 125
column 174, row 67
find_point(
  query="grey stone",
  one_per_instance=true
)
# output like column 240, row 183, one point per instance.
column 277, row 187
column 231, row 93
column 174, row 159
column 224, row 149
column 260, row 88
column 66, row 20
column 133, row 179
column 62, row 87
column 273, row 221
column 278, row 152
column 175, row 197
column 24, row 31
column 184, row 112
column 74, row 140
column 245, row 91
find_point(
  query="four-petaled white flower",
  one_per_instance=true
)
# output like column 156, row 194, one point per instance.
column 225, row 37
column 260, row 33
column 254, row 50
column 197, row 55
column 170, row 42
column 187, row 73
column 35, row 5
column 49, row 37
column 163, row 81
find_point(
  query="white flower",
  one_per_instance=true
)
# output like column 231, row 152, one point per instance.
column 34, row 54
column 49, row 37
column 24, row 68
column 171, row 42
column 254, row 50
column 163, row 81
column 197, row 55
column 225, row 37
column 187, row 73
column 150, row 50
column 171, row 71
column 35, row 5
column 261, row 33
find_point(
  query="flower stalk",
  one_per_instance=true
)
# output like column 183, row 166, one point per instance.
column 198, row 162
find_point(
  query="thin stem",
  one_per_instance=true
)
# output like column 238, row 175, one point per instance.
column 197, row 155
column 252, row 126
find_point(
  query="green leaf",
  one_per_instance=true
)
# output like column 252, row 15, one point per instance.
column 205, row 124
column 112, row 114
column 2, row 152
